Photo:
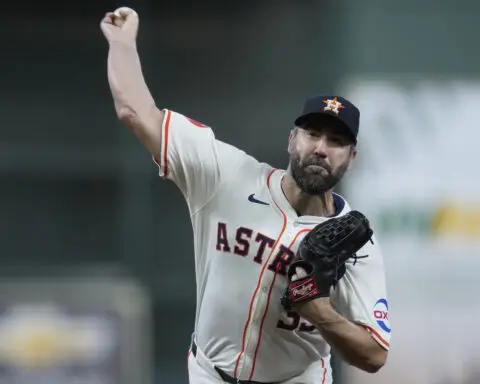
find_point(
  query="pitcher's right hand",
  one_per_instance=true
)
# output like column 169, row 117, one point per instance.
column 120, row 25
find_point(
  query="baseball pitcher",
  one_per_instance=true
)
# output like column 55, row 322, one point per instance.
column 285, row 270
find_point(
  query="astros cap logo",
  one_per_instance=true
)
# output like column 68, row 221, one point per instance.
column 333, row 105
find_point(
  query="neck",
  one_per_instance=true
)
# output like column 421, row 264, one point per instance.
column 305, row 204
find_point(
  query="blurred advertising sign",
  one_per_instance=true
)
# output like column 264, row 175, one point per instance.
column 416, row 178
column 73, row 331
column 418, row 164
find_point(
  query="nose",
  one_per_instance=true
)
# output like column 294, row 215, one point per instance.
column 321, row 146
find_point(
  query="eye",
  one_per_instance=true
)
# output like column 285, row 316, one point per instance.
column 313, row 133
column 337, row 139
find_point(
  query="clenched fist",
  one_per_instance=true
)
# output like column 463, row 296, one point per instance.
column 120, row 25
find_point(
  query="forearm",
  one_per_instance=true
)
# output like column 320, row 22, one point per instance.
column 129, row 90
column 353, row 342
column 134, row 104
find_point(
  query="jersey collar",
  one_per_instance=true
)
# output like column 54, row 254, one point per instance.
column 277, row 195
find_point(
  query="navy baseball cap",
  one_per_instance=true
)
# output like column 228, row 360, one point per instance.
column 336, row 106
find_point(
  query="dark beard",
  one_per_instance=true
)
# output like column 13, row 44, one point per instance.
column 315, row 183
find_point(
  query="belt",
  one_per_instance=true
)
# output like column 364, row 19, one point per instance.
column 224, row 375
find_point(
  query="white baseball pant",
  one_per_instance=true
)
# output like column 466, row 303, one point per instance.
column 201, row 371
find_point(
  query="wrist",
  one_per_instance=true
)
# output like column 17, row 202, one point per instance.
column 319, row 309
column 123, row 43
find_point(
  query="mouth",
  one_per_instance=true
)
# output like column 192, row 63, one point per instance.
column 317, row 168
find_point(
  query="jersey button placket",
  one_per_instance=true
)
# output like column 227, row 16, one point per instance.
column 258, row 310
column 260, row 303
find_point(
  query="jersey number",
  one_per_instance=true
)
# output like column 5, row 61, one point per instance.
column 295, row 322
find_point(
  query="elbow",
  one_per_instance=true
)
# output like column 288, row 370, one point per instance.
column 145, row 125
column 139, row 117
column 130, row 118
column 126, row 114
column 374, row 363
column 371, row 367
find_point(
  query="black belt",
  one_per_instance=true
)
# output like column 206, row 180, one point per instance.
column 224, row 375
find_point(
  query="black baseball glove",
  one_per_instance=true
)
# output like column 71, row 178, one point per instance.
column 323, row 253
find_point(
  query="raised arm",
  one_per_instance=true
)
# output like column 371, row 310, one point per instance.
column 185, row 150
column 133, row 101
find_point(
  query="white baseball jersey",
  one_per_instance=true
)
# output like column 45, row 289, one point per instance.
column 245, row 235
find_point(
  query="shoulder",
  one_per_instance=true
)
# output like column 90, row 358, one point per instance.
column 240, row 166
column 234, row 164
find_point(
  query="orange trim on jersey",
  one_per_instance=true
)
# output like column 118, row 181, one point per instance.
column 380, row 338
column 324, row 377
column 259, row 282
column 268, row 301
column 298, row 234
column 165, row 143
column 261, row 324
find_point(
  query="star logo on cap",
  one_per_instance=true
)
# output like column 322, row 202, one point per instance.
column 333, row 105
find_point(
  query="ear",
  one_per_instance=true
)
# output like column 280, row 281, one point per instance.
column 353, row 155
column 291, row 141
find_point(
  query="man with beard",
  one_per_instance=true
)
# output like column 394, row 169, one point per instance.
column 248, row 220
